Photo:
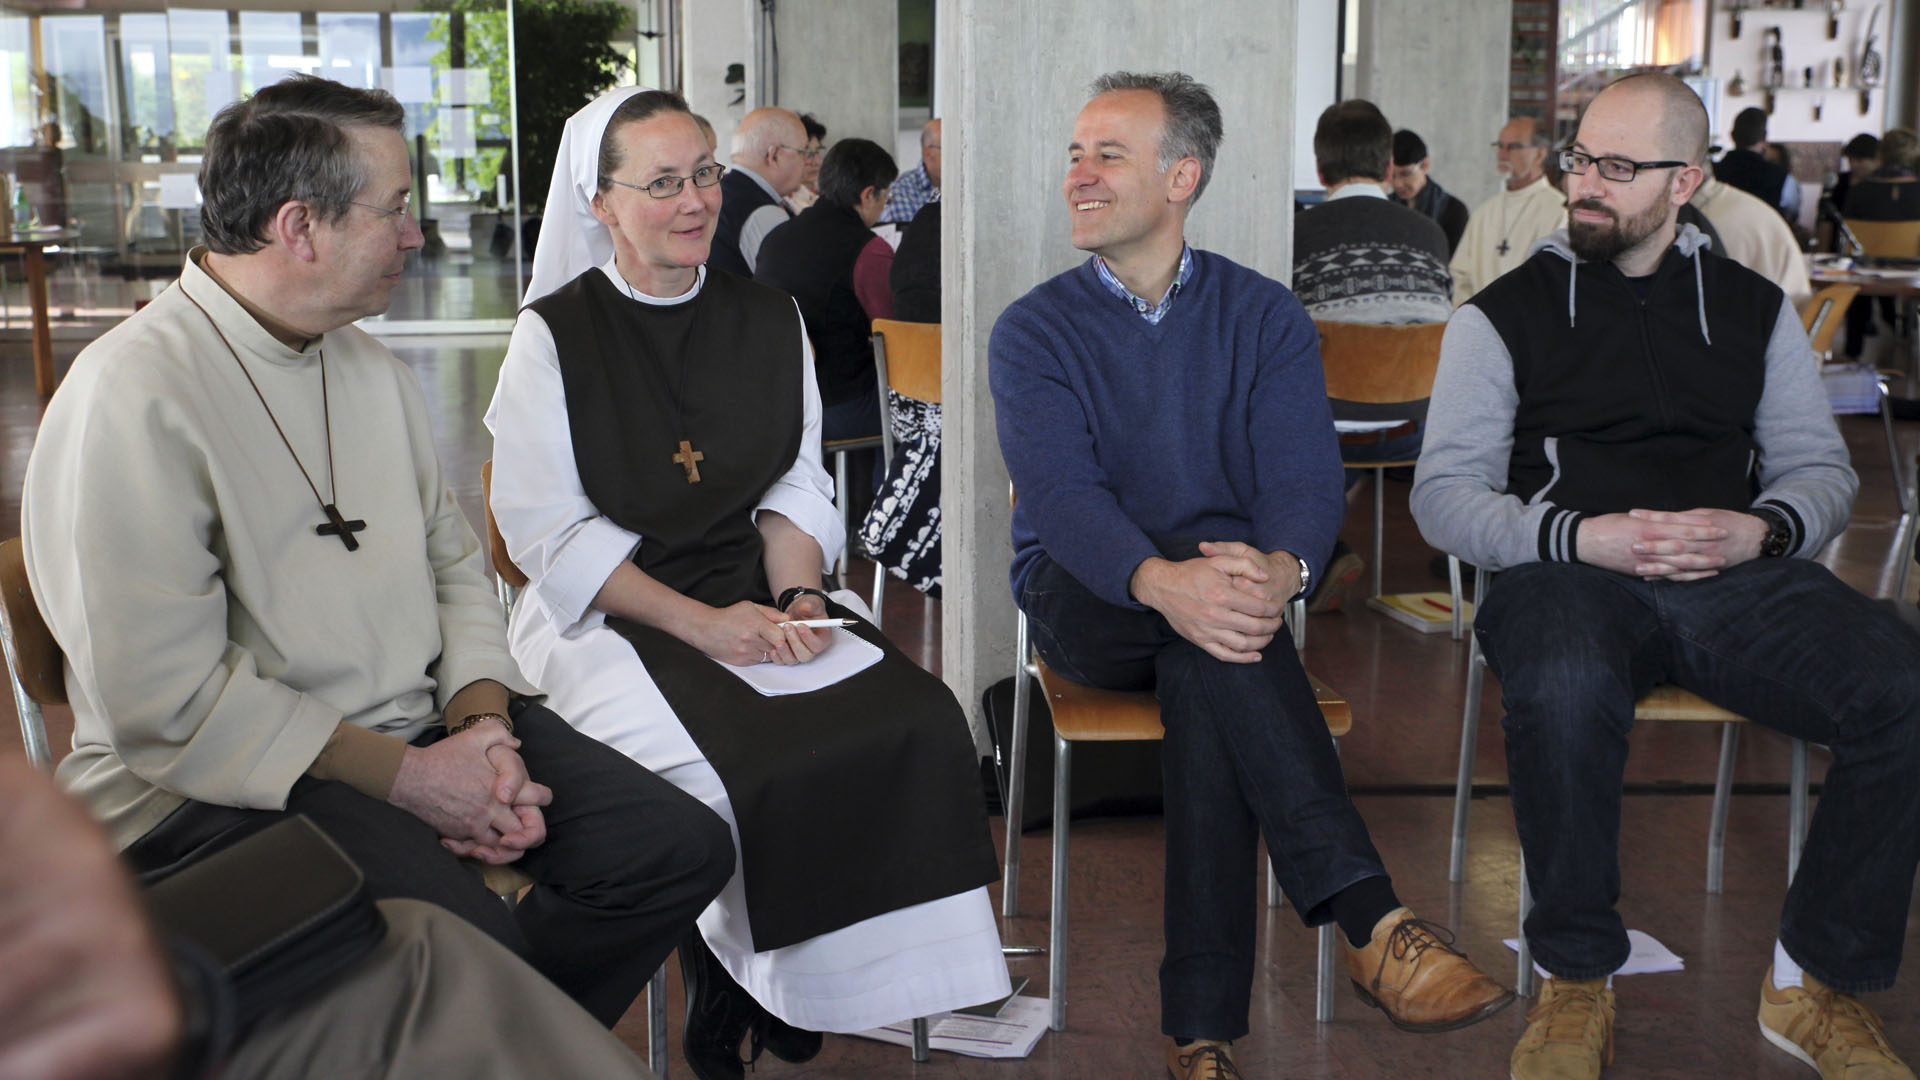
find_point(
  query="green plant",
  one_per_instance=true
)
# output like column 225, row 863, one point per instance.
column 564, row 59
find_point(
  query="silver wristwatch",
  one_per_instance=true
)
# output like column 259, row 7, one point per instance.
column 1306, row 579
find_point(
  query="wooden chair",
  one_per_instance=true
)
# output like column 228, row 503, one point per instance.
column 1823, row 313
column 1668, row 703
column 1089, row 714
column 508, row 581
column 906, row 358
column 1887, row 239
column 1385, row 365
column 34, row 662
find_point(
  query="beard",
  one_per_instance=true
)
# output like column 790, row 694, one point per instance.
column 1595, row 242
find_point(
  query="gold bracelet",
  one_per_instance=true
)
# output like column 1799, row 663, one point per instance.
column 479, row 716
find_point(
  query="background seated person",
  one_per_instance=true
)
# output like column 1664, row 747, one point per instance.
column 1632, row 430
column 862, row 832
column 238, row 648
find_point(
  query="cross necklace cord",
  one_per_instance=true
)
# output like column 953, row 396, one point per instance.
column 686, row 457
column 336, row 524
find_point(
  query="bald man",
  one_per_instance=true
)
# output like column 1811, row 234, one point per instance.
column 1631, row 430
column 918, row 186
column 769, row 158
column 1501, row 231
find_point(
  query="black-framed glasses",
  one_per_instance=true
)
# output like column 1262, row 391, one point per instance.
column 1618, row 169
column 1512, row 147
column 666, row 187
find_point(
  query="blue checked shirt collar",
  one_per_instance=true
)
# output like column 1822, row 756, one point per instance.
column 1153, row 313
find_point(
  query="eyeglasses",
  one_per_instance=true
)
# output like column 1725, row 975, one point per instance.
column 809, row 153
column 1618, row 169
column 1512, row 147
column 666, row 187
column 398, row 215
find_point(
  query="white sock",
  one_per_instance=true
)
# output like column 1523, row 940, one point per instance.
column 1785, row 972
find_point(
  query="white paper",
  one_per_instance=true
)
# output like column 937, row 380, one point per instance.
column 409, row 85
column 457, row 138
column 849, row 655
column 1645, row 956
column 220, row 90
column 465, row 86
column 1012, row 1034
column 179, row 191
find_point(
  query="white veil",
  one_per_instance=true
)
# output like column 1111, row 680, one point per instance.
column 571, row 240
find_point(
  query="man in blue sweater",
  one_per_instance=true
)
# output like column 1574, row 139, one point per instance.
column 1165, row 422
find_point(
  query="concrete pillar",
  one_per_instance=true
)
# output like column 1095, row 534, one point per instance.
column 839, row 61
column 1013, row 76
column 713, row 35
column 1441, row 70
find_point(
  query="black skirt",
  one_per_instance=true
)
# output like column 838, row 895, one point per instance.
column 852, row 801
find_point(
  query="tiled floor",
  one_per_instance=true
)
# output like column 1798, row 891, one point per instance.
column 1406, row 692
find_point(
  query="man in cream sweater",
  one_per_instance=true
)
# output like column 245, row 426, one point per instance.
column 269, row 605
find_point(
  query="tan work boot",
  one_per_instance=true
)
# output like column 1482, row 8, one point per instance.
column 1201, row 1059
column 1412, row 972
column 1569, row 1032
column 1830, row 1031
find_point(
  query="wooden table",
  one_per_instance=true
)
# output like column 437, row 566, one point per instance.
column 32, row 246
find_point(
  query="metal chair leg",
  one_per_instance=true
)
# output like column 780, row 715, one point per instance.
column 1797, row 809
column 921, row 1052
column 1379, row 522
column 1016, row 774
column 879, row 590
column 1275, row 897
column 1297, row 622
column 1057, row 926
column 1323, row 979
column 1722, row 795
column 1463, row 780
column 1524, row 982
column 840, row 506
column 1453, row 587
column 1893, row 449
column 657, row 1022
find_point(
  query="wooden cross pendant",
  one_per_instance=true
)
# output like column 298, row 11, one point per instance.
column 340, row 527
column 1502, row 249
column 687, row 458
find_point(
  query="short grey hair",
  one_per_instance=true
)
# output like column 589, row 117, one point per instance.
column 1193, row 118
column 286, row 143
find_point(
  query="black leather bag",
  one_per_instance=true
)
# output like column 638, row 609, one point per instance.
column 282, row 912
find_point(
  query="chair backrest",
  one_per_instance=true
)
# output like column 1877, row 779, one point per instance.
column 496, row 546
column 35, row 655
column 1380, row 364
column 908, row 355
column 1897, row 239
column 1823, row 313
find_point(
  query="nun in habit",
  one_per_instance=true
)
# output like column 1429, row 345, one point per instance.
column 657, row 476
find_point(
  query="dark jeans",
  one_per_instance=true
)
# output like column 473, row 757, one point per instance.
column 1246, row 754
column 629, row 860
column 1399, row 448
column 1783, row 643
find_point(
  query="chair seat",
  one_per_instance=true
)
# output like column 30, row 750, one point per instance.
column 506, row 880
column 1090, row 714
column 863, row 442
column 1407, row 463
column 1674, row 704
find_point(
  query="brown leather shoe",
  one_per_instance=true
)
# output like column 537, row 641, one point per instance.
column 1412, row 972
column 1202, row 1059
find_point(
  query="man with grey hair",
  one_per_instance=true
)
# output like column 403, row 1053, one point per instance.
column 1164, row 419
column 269, row 608
column 1502, row 230
column 918, row 186
column 1631, row 429
column 769, row 161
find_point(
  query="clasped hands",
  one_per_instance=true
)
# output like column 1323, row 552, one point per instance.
column 1678, row 545
column 473, row 789
column 749, row 633
column 1230, row 601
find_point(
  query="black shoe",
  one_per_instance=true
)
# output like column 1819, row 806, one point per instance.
column 783, row 1040
column 719, row 1014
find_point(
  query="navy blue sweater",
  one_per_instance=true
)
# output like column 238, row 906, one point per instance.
column 1212, row 425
